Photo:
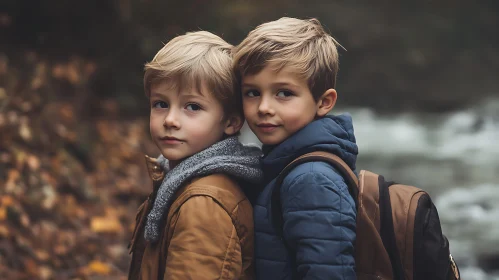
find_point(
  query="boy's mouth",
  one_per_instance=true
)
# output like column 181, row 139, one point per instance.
column 267, row 127
column 170, row 140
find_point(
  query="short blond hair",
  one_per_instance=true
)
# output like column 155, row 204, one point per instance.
column 193, row 60
column 303, row 45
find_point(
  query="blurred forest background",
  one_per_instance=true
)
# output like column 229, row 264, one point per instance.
column 74, row 119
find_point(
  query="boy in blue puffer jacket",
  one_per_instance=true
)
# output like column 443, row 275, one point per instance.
column 287, row 69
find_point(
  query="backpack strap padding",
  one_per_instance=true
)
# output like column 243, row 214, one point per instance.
column 371, row 258
column 369, row 196
column 337, row 162
column 334, row 160
column 404, row 203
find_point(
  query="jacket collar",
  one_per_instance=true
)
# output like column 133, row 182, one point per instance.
column 333, row 134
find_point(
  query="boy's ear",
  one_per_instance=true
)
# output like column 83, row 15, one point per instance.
column 233, row 125
column 326, row 102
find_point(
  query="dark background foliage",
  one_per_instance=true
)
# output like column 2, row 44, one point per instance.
column 73, row 117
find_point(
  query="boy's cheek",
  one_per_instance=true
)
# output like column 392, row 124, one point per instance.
column 248, row 109
column 155, row 125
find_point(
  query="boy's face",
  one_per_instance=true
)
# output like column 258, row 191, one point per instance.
column 277, row 104
column 184, row 123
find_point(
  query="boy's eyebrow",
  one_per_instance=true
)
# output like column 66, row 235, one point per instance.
column 155, row 94
column 198, row 96
column 279, row 84
column 189, row 95
column 248, row 85
column 284, row 84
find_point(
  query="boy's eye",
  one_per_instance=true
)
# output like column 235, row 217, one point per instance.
column 252, row 93
column 284, row 93
column 160, row 104
column 193, row 107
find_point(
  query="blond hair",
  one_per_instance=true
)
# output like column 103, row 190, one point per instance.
column 193, row 60
column 302, row 45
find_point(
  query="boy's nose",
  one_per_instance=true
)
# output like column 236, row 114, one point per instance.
column 265, row 108
column 171, row 120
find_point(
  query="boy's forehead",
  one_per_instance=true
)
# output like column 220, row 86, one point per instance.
column 284, row 74
column 178, row 88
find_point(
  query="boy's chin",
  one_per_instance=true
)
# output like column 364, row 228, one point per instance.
column 270, row 141
column 174, row 157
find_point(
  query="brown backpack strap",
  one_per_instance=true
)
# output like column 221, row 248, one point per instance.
column 335, row 161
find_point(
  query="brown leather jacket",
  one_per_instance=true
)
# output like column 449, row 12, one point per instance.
column 208, row 233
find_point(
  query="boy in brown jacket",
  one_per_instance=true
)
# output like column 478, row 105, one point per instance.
column 197, row 223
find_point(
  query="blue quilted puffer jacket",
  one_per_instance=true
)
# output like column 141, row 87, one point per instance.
column 319, row 213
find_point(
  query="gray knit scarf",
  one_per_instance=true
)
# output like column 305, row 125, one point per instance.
column 228, row 156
